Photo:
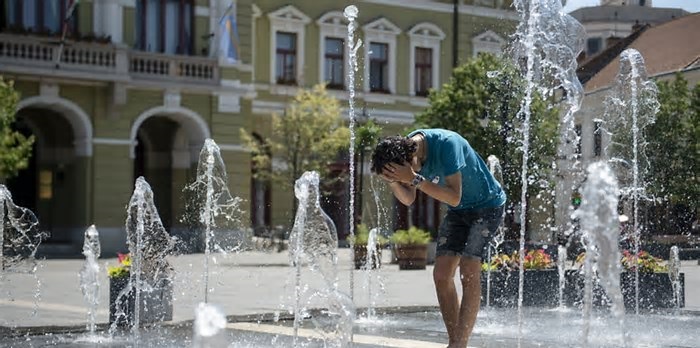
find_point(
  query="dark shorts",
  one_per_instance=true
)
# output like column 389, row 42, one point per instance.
column 468, row 232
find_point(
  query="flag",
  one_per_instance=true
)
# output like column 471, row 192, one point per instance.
column 71, row 9
column 228, row 39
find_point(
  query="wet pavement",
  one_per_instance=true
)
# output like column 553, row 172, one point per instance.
column 250, row 287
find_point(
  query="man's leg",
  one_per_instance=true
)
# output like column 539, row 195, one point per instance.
column 443, row 276
column 470, row 272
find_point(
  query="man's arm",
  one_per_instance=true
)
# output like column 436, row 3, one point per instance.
column 450, row 194
column 402, row 174
column 405, row 193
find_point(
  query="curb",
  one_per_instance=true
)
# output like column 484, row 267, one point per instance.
column 13, row 332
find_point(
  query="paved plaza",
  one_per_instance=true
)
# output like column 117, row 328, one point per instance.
column 249, row 288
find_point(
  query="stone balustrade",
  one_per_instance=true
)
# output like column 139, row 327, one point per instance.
column 36, row 55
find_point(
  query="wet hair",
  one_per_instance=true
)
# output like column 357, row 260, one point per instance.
column 392, row 149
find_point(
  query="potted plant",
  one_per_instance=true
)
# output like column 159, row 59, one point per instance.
column 656, row 289
column 411, row 247
column 156, row 301
column 540, row 286
column 359, row 242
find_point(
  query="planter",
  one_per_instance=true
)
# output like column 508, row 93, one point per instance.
column 411, row 256
column 156, row 305
column 655, row 291
column 432, row 251
column 540, row 288
column 360, row 254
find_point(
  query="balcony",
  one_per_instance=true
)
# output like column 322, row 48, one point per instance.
column 103, row 62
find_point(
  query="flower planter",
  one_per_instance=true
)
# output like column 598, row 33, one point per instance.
column 540, row 288
column 360, row 254
column 411, row 256
column 655, row 290
column 156, row 305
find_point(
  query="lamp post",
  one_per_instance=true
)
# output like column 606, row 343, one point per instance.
column 361, row 172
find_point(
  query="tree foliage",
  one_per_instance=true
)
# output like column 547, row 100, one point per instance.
column 308, row 136
column 673, row 148
column 481, row 102
column 15, row 148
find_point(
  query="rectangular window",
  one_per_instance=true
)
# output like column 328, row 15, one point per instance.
column 423, row 74
column 379, row 67
column 597, row 139
column 286, row 58
column 594, row 45
column 334, row 63
column 165, row 26
column 39, row 16
column 578, row 139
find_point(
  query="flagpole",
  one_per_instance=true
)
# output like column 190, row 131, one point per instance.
column 66, row 19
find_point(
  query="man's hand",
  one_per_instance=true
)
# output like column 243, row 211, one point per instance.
column 398, row 172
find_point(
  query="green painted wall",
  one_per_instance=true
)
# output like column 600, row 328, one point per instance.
column 129, row 26
column 201, row 30
column 245, row 30
column 85, row 18
column 113, row 184
column 25, row 88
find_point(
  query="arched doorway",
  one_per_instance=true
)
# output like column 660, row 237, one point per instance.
column 52, row 186
column 154, row 162
column 167, row 142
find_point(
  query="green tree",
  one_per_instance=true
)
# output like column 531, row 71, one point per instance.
column 481, row 102
column 367, row 136
column 15, row 148
column 674, row 154
column 308, row 136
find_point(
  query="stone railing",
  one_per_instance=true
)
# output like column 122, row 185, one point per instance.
column 34, row 55
column 145, row 65
column 38, row 53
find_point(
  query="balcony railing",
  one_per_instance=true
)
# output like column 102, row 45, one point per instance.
column 32, row 55
column 158, row 66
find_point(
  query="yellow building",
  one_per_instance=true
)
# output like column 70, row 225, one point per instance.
column 138, row 85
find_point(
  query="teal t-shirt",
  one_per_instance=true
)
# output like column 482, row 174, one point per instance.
column 449, row 153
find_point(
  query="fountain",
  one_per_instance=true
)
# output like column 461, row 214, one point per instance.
column 313, row 243
column 19, row 234
column 548, row 42
column 148, row 293
column 631, row 106
column 674, row 272
column 495, row 168
column 561, row 268
column 350, row 14
column 89, row 282
column 601, row 236
column 209, row 321
column 19, row 240
column 214, row 207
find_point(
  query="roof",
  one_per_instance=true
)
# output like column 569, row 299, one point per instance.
column 668, row 47
column 595, row 64
column 632, row 14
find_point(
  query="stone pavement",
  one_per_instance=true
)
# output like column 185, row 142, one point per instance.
column 248, row 283
column 246, row 286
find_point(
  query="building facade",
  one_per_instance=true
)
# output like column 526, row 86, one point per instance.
column 138, row 85
column 665, row 53
column 614, row 20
